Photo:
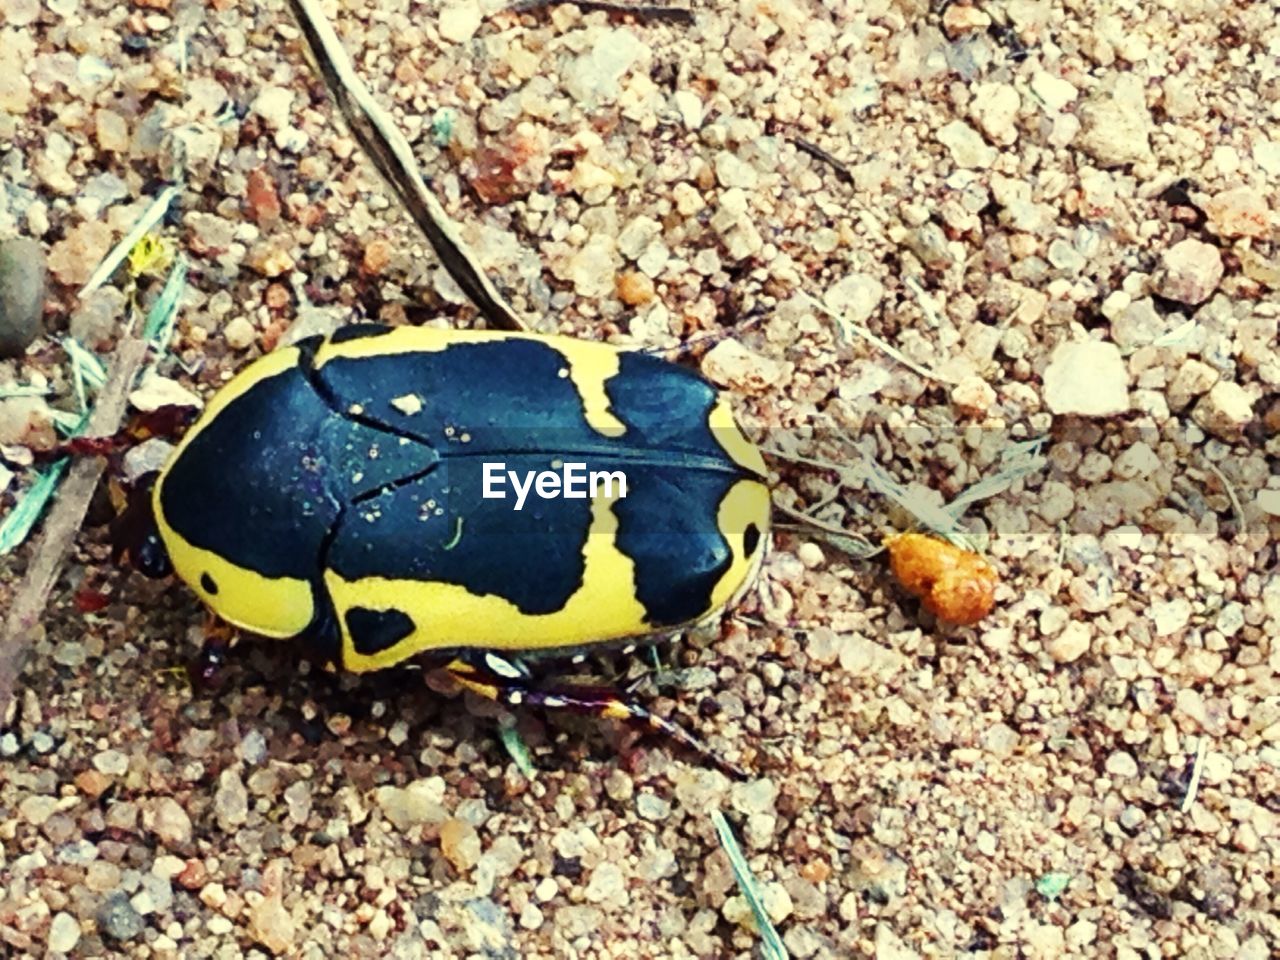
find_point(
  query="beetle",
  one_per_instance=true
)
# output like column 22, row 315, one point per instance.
column 336, row 491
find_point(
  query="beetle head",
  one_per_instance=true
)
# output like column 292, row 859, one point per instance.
column 134, row 534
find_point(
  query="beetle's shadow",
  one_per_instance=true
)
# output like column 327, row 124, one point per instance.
column 331, row 711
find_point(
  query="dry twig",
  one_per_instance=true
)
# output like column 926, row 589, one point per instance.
column 22, row 626
column 643, row 11
column 392, row 157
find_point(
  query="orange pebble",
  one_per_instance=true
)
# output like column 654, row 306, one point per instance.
column 634, row 288
column 377, row 256
column 953, row 584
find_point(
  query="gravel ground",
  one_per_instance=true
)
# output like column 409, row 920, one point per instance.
column 1061, row 214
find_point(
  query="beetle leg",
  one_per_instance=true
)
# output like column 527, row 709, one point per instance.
column 219, row 639
column 510, row 683
column 167, row 422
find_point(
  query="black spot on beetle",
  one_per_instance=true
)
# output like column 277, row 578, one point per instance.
column 750, row 539
column 358, row 331
column 208, row 584
column 373, row 631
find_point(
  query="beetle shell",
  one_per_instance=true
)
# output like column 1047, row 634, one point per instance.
column 336, row 488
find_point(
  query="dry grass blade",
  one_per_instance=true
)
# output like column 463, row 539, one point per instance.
column 63, row 523
column 392, row 156
column 643, row 11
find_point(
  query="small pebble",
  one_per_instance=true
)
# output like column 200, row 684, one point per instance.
column 1115, row 123
column 111, row 762
column 1071, row 644
column 730, row 364
column 64, row 933
column 1087, row 378
column 170, row 822
column 240, row 334
column 1225, row 410
column 117, row 920
column 22, row 289
column 271, row 925
column 459, row 21
column 1189, row 272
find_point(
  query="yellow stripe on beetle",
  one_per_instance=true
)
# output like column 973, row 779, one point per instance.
column 446, row 615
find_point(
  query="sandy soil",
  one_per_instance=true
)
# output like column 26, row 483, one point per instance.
column 1059, row 216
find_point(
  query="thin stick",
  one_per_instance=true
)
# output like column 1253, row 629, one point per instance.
column 392, row 157
column 22, row 626
column 841, row 171
column 1197, row 769
column 644, row 11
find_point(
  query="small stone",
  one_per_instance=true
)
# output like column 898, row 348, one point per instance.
column 1122, row 764
column 377, row 257
column 111, row 762
column 1170, row 616
column 262, row 197
column 269, row 259
column 973, row 396
column 995, row 108
column 96, row 320
column 968, row 150
column 1190, row 271
column 64, row 933
column 421, row 802
column 593, row 78
column 253, row 748
column 1115, row 124
column 239, row 333
column 1268, row 502
column 810, row 554
column 271, row 925
column 169, row 822
column 459, row 22
column 960, row 19
column 757, row 796
column 650, row 806
column 231, row 801
column 36, row 809
column 1242, row 212
column 1071, row 644
column 460, row 844
column 313, row 321
column 689, row 105
column 607, row 883
column 273, row 105
column 854, row 298
column 1087, row 378
column 92, row 783
column 730, row 364
column 22, row 288
column 73, row 259
column 26, row 421
column 732, row 171
column 1193, row 379
column 112, row 131
column 1054, row 92
column 635, row 288
column 1224, row 411
column 117, row 920
column 156, row 391
column 591, row 270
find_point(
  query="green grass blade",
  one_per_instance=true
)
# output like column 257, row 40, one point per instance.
column 158, row 330
column 771, row 942
column 16, row 527
column 516, row 746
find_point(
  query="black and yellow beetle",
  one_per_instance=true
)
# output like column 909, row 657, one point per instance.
column 345, row 490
